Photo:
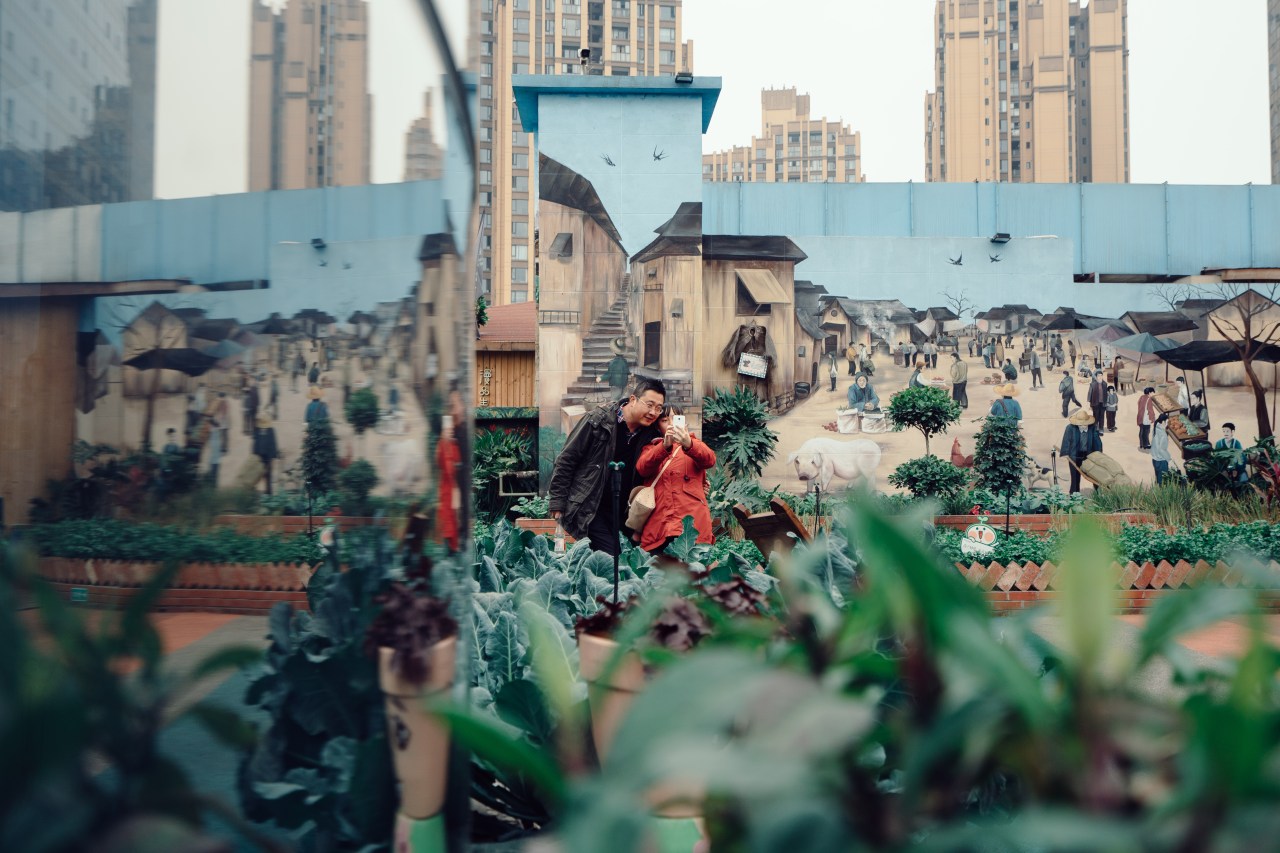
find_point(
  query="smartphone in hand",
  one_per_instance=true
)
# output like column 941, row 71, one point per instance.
column 678, row 421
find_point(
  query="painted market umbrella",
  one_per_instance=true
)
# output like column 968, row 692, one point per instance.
column 1143, row 343
column 192, row 362
column 1199, row 355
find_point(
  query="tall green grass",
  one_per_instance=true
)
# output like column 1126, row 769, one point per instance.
column 1175, row 504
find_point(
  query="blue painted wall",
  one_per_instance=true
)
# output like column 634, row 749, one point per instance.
column 1113, row 228
column 639, row 191
column 230, row 238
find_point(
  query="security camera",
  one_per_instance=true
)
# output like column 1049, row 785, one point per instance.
column 584, row 54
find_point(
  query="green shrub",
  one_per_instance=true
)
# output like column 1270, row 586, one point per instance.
column 734, row 425
column 108, row 539
column 356, row 481
column 1000, row 456
column 929, row 410
column 319, row 458
column 496, row 452
column 361, row 410
column 929, row 477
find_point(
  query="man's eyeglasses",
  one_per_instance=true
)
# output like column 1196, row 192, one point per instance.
column 650, row 405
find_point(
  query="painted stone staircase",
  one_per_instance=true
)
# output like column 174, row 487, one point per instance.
column 597, row 352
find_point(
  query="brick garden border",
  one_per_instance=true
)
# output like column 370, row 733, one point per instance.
column 1018, row 586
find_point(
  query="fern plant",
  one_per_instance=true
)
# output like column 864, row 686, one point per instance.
column 734, row 425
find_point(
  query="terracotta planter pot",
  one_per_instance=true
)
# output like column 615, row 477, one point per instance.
column 419, row 742
column 609, row 699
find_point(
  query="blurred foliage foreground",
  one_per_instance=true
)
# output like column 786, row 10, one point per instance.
column 888, row 710
column 856, row 696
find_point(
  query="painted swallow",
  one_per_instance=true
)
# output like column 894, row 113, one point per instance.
column 607, row 159
column 659, row 155
column 957, row 262
column 995, row 259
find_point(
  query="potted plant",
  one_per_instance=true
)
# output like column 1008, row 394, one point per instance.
column 415, row 641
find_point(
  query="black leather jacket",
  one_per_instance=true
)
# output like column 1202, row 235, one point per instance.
column 578, row 480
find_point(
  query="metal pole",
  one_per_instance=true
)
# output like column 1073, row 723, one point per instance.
column 615, row 477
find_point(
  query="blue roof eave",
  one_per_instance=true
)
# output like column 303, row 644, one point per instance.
column 529, row 87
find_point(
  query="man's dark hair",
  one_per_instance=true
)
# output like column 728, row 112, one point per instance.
column 1229, row 425
column 1148, row 390
column 645, row 385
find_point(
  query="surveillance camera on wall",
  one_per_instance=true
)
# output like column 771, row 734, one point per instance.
column 584, row 54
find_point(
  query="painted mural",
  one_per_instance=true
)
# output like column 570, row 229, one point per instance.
column 348, row 361
column 636, row 280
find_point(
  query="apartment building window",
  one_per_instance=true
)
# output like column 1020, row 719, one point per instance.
column 520, row 207
column 620, row 52
column 621, row 33
column 706, row 168
column 622, row 7
column 518, row 138
column 486, row 198
column 520, row 275
column 486, row 91
column 572, row 7
column 621, row 70
column 486, row 6
column 568, row 51
column 486, row 112
column 486, row 48
column 520, row 25
column 519, row 160
column 520, row 183
column 486, row 69
column 486, row 176
column 549, row 26
column 519, row 295
column 1004, row 165
column 486, row 155
column 760, row 153
column 520, row 47
column 520, row 252
column 520, row 5
column 571, row 27
column 666, row 34
column 667, row 57
column 667, row 13
column 549, row 6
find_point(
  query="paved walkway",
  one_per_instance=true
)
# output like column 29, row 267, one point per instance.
column 1042, row 425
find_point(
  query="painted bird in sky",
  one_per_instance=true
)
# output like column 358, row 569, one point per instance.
column 659, row 155
column 957, row 262
column 995, row 259
column 607, row 159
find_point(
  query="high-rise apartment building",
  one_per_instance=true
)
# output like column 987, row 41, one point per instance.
column 423, row 158
column 309, row 102
column 77, row 102
column 624, row 37
column 1273, row 44
column 791, row 147
column 1029, row 90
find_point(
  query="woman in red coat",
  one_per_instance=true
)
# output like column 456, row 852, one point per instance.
column 682, row 488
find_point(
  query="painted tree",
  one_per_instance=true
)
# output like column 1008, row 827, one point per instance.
column 959, row 302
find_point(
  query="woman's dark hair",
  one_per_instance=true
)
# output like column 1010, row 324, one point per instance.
column 669, row 410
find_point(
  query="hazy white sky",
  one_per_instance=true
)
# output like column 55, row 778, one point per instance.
column 1198, row 101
